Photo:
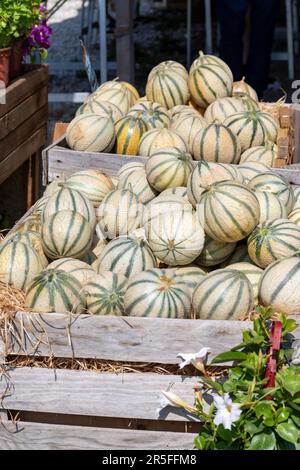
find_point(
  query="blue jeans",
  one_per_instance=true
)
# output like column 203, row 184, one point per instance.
column 232, row 19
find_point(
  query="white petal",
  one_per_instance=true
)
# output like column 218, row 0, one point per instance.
column 227, row 400
column 189, row 357
column 219, row 401
column 218, row 419
column 227, row 420
column 235, row 413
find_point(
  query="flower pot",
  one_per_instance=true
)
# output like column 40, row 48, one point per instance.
column 16, row 65
column 5, row 55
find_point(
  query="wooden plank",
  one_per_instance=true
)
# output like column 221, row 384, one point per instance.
column 73, row 392
column 125, row 339
column 15, row 159
column 10, row 121
column 296, row 132
column 291, row 173
column 25, row 86
column 27, row 128
column 66, row 161
column 285, row 116
column 38, row 436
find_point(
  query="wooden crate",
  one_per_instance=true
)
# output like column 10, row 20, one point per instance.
column 58, row 158
column 23, row 132
column 82, row 409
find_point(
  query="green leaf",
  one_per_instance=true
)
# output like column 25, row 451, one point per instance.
column 229, row 356
column 290, row 380
column 224, row 434
column 213, row 384
column 282, row 415
column 200, row 442
column 290, row 326
column 296, row 420
column 288, row 431
column 263, row 441
column 265, row 409
column 254, row 427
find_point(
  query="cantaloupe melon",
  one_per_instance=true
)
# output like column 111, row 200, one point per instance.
column 129, row 131
column 271, row 207
column 252, row 272
column 156, row 139
column 93, row 184
column 224, row 294
column 157, row 293
column 216, row 143
column 242, row 87
column 251, row 169
column 105, row 294
column 101, row 108
column 91, row 133
column 222, row 108
column 82, row 271
column 188, row 126
column 273, row 240
column 168, row 167
column 275, row 184
column 214, row 252
column 153, row 114
column 266, row 154
column 135, row 179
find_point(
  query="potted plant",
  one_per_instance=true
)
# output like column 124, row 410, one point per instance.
column 23, row 29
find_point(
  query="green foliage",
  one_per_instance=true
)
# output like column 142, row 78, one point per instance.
column 270, row 417
column 16, row 19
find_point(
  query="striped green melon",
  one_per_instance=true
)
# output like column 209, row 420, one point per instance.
column 253, row 128
column 279, row 286
column 40, row 204
column 91, row 133
column 251, row 169
column 266, row 154
column 296, row 191
column 79, row 269
column 129, row 168
column 203, row 176
column 224, row 294
column 153, row 114
column 97, row 252
column 163, row 205
column 216, row 143
column 207, row 59
column 31, row 238
column 180, row 191
column 66, row 234
column 169, row 66
column 240, row 255
column 105, row 294
column 135, row 180
column 249, row 103
column 168, row 167
column 129, row 131
column 101, row 108
column 72, row 200
column 188, row 126
column 271, row 207
column 54, row 291
column 209, row 82
column 31, row 223
column 273, row 240
column 231, row 211
column 167, row 85
column 180, row 111
column 222, row 108
column 253, row 273
column 214, row 252
column 19, row 263
column 191, row 276
column 93, row 184
column 54, row 186
column 242, row 87
column 156, row 139
column 116, row 93
column 127, row 255
column 176, row 238
column 275, row 184
column 157, row 293
column 294, row 216
column 119, row 213
column 234, row 169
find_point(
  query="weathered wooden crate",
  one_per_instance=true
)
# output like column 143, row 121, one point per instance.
column 54, row 408
column 58, row 158
column 23, row 132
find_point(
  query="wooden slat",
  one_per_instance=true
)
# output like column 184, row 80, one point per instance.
column 61, row 160
column 291, row 173
column 12, row 120
column 125, row 339
column 296, row 132
column 24, row 87
column 132, row 395
column 27, row 128
column 28, row 436
column 15, row 159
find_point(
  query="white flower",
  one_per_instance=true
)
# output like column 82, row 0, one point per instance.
column 193, row 358
column 170, row 399
column 227, row 411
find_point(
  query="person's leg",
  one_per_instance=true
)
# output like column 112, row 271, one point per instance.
column 263, row 18
column 231, row 16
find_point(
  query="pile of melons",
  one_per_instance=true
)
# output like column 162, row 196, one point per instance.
column 172, row 237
